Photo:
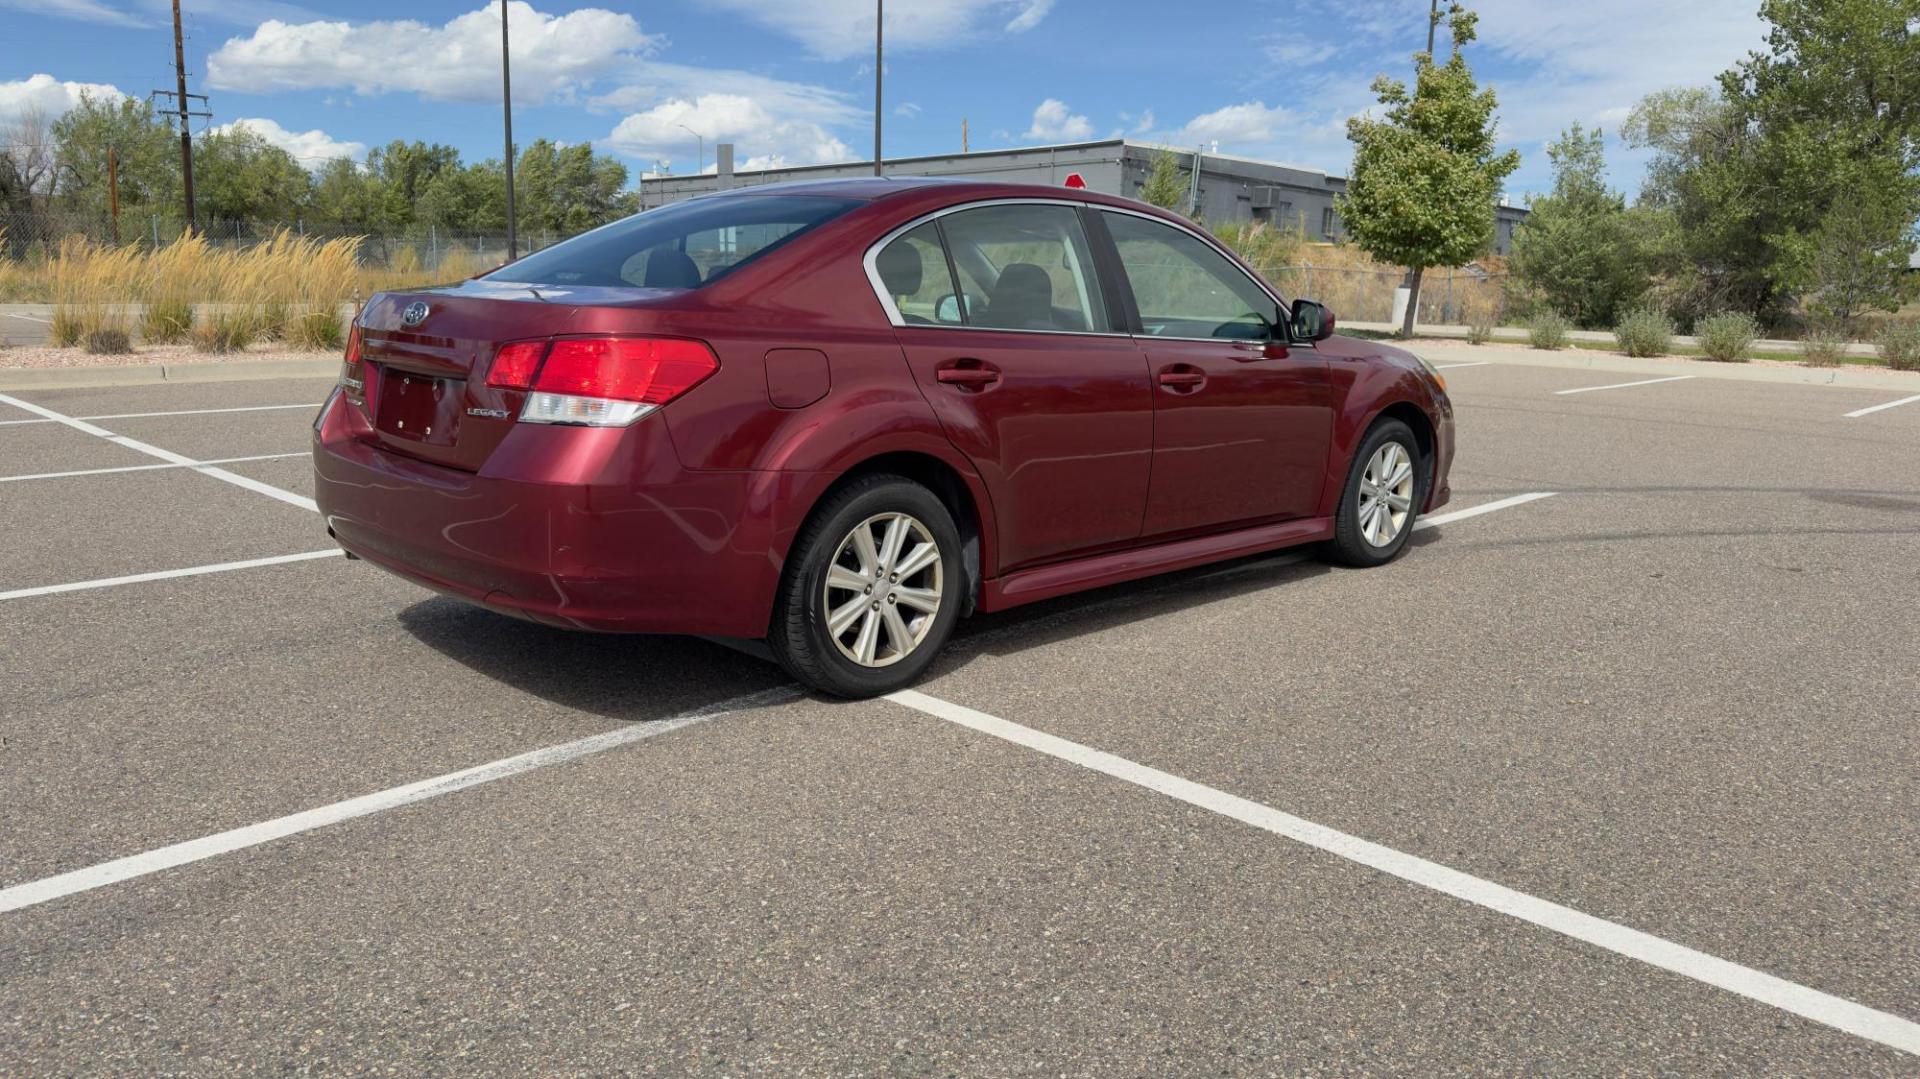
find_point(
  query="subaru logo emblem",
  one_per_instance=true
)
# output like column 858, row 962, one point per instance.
column 414, row 315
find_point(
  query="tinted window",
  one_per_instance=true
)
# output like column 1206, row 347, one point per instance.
column 1025, row 267
column 1184, row 288
column 913, row 270
column 683, row 245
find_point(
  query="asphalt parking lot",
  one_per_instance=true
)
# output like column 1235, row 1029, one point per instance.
column 1618, row 778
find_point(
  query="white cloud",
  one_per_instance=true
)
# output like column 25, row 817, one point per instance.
column 553, row 55
column 84, row 10
column 1250, row 122
column 838, row 29
column 1052, row 120
column 906, row 110
column 765, row 138
column 50, row 97
column 311, row 148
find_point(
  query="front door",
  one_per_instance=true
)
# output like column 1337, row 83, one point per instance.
column 1028, row 377
column 1242, row 421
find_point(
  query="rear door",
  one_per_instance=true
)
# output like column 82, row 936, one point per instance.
column 1027, row 374
column 1242, row 420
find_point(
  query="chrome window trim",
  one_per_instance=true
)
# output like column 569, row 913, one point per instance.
column 871, row 263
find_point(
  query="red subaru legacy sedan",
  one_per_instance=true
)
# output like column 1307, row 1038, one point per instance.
column 839, row 416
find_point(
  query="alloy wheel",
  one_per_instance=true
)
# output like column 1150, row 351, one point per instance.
column 1386, row 494
column 883, row 589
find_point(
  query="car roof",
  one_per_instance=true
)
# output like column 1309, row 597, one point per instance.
column 872, row 188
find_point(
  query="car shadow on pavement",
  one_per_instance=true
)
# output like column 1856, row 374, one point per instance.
column 626, row 677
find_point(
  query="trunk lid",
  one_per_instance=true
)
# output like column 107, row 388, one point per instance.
column 427, row 353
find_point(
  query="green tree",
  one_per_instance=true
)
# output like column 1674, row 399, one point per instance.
column 1808, row 152
column 568, row 189
column 1167, row 184
column 1580, row 248
column 1425, row 176
column 471, row 197
column 239, row 176
column 347, row 197
column 149, row 156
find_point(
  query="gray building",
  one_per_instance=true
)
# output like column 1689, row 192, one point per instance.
column 1231, row 188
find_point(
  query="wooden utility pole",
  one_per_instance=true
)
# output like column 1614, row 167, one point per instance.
column 879, row 24
column 113, row 193
column 506, row 101
column 186, row 137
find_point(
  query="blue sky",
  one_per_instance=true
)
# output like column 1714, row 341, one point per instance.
column 791, row 80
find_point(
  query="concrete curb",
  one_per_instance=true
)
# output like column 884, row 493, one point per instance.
column 1845, row 377
column 148, row 374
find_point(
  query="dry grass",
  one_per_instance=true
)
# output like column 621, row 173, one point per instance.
column 287, row 288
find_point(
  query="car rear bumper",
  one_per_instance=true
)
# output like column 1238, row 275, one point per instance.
column 584, row 528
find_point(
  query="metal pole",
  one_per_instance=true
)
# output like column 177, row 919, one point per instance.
column 186, row 140
column 113, row 190
column 1433, row 20
column 700, row 142
column 506, row 101
column 879, row 25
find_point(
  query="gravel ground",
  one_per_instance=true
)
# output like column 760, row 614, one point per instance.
column 45, row 357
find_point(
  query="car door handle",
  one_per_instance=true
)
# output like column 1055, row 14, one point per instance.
column 1182, row 379
column 977, row 376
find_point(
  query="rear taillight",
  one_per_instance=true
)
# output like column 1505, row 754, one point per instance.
column 352, row 374
column 600, row 381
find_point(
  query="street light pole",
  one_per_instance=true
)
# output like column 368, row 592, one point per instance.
column 700, row 161
column 879, row 27
column 506, row 102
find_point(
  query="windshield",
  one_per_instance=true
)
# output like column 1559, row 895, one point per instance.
column 683, row 245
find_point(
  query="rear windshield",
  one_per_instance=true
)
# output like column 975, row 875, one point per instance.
column 682, row 245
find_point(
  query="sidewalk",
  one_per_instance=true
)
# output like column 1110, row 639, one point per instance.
column 1878, row 378
column 1599, row 337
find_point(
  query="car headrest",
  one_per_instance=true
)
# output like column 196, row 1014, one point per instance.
column 899, row 266
column 670, row 268
column 1022, row 298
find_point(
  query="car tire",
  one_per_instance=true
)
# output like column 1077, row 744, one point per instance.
column 1370, row 528
column 836, row 639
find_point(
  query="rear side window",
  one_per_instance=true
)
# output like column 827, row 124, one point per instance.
column 681, row 246
column 913, row 270
column 1025, row 267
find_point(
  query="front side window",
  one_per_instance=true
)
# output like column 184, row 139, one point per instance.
column 1025, row 267
column 913, row 271
column 680, row 246
column 1184, row 288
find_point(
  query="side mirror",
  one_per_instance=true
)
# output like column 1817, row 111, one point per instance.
column 1311, row 321
column 947, row 309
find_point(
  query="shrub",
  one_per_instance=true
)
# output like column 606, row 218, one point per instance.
column 1645, row 332
column 1727, row 336
column 167, row 322
column 108, row 341
column 1900, row 344
column 65, row 328
column 1823, row 347
column 316, row 331
column 226, row 331
column 1548, row 329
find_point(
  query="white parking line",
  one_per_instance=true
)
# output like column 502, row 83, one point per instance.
column 149, row 415
column 1486, row 507
column 1451, row 366
column 150, row 468
column 1841, row 1014
column 167, row 574
column 1859, row 412
column 139, row 865
column 1624, row 385
column 168, row 456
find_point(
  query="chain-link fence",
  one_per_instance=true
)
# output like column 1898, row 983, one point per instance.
column 27, row 236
